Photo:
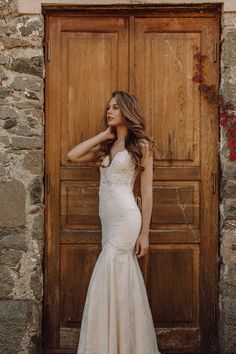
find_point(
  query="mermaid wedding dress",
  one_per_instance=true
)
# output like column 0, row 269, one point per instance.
column 117, row 318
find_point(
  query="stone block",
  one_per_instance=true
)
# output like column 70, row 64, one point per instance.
column 229, row 339
column 23, row 129
column 15, row 318
column 23, row 82
column 228, row 290
column 9, row 123
column 29, row 104
column 3, row 232
column 5, row 91
column 11, row 257
column 3, row 59
column 4, row 140
column 35, row 6
column 36, row 191
column 19, row 42
column 229, row 92
column 36, row 283
column 33, row 66
column 230, row 189
column 37, row 227
column 229, row 49
column 230, row 208
column 7, row 112
column 5, row 30
column 229, row 170
column 4, row 158
column 34, row 115
column 26, row 143
column 31, row 94
column 232, row 79
column 12, row 204
column 29, row 26
column 3, row 171
column 6, row 283
column 229, row 5
column 33, row 162
column 229, row 309
column 16, row 241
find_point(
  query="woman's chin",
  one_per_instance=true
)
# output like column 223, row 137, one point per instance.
column 111, row 124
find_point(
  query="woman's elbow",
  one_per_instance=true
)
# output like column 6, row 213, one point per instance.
column 70, row 157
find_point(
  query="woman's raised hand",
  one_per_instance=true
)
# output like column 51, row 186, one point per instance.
column 85, row 151
column 107, row 133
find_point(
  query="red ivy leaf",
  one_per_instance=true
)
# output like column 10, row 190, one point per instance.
column 233, row 155
column 232, row 142
column 226, row 109
column 223, row 122
column 197, row 56
column 224, row 114
column 198, row 67
column 198, row 78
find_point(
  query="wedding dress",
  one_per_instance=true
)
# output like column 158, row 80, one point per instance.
column 117, row 318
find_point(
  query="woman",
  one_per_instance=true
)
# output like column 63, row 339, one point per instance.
column 117, row 317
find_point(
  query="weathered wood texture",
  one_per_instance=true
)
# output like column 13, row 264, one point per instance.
column 152, row 55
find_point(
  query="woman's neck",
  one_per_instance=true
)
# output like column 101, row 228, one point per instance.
column 121, row 133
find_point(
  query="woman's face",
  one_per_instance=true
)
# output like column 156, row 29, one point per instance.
column 114, row 115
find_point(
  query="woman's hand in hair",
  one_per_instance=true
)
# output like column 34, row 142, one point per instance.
column 108, row 134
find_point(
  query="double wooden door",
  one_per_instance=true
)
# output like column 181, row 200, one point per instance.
column 150, row 53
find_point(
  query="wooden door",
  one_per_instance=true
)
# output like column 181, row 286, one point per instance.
column 150, row 53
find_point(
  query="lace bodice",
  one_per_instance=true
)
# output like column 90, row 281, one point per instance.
column 120, row 173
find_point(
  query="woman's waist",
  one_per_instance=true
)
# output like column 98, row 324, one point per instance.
column 115, row 188
column 123, row 200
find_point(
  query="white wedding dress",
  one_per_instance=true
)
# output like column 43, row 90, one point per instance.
column 117, row 318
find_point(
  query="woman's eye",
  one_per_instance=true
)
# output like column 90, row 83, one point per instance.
column 114, row 107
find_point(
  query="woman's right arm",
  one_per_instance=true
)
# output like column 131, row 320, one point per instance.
column 86, row 150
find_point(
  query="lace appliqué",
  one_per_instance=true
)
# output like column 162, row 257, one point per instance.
column 121, row 171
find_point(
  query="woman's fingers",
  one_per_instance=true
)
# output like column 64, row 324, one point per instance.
column 140, row 249
column 142, row 253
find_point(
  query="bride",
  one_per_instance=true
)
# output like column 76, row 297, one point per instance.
column 117, row 318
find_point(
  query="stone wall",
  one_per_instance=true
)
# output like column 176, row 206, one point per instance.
column 21, row 175
column 227, row 301
column 21, row 179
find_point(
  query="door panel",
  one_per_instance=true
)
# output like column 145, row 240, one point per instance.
column 168, row 71
column 182, row 122
column 94, row 57
column 152, row 56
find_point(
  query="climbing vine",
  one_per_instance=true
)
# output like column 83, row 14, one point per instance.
column 226, row 108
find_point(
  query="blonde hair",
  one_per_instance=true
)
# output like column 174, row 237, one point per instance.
column 134, row 120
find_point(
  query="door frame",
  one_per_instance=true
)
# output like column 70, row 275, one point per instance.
column 149, row 10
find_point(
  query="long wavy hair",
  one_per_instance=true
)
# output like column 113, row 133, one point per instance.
column 133, row 118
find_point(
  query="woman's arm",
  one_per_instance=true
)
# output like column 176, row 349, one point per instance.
column 86, row 150
column 142, row 243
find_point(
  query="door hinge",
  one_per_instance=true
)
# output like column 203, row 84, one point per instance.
column 214, row 181
column 215, row 52
column 48, row 182
column 49, row 51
